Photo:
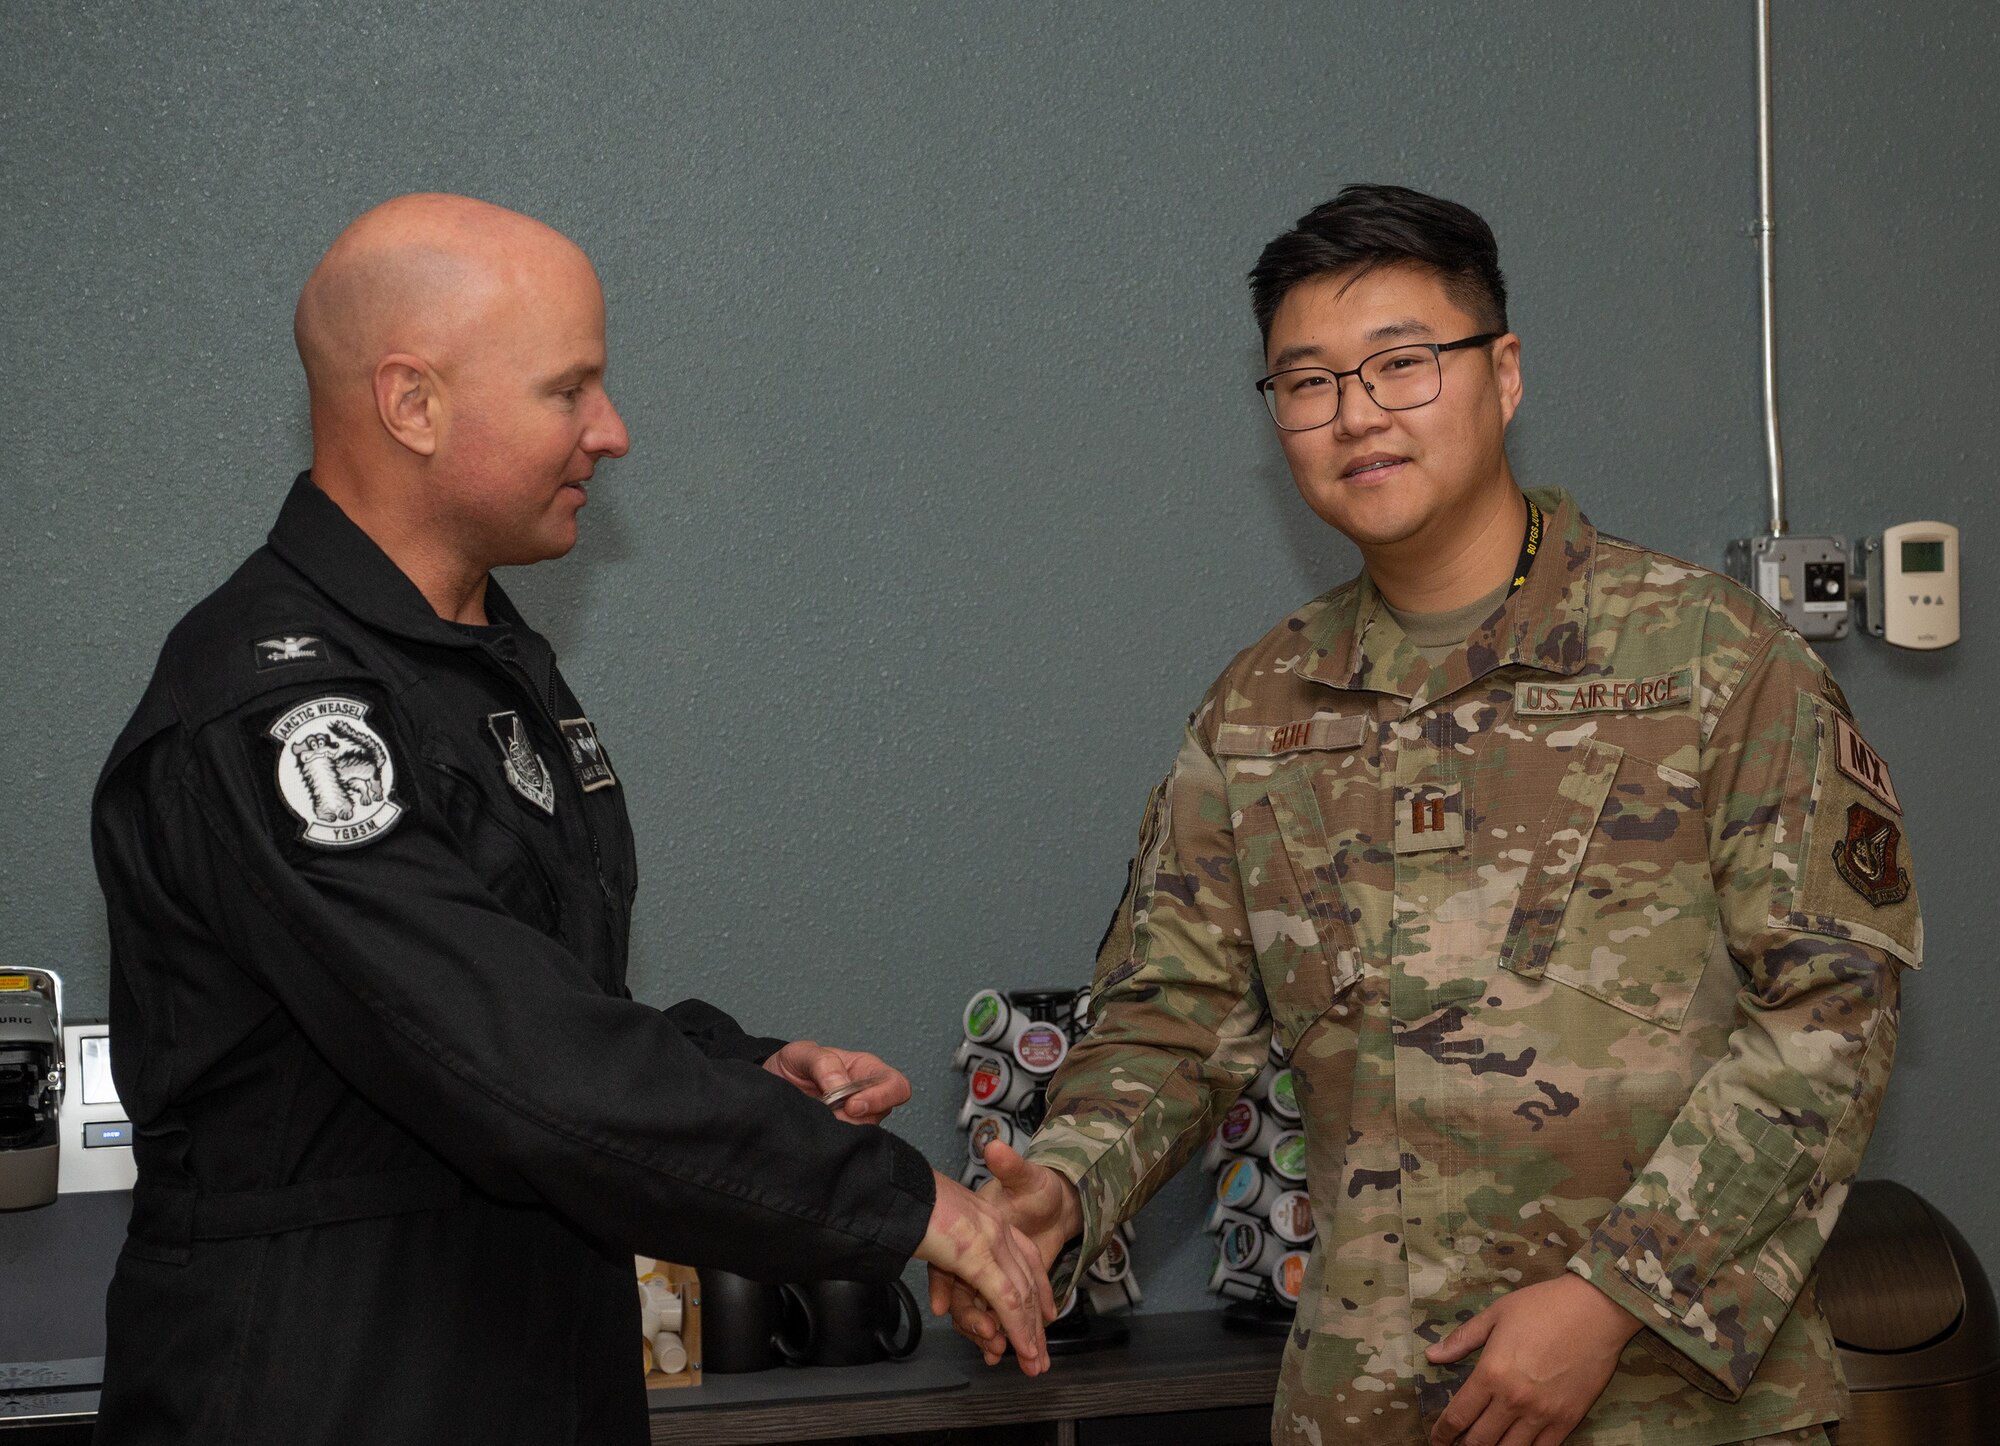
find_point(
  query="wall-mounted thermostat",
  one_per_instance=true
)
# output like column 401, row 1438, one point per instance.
column 1912, row 585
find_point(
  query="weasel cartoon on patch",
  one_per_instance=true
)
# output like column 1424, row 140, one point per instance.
column 335, row 773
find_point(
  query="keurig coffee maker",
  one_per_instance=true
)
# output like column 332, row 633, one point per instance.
column 31, row 1086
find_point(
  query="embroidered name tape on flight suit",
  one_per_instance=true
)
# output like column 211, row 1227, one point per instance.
column 586, row 753
column 1606, row 695
column 1264, row 740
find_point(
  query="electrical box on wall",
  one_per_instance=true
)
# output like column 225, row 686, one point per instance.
column 1803, row 578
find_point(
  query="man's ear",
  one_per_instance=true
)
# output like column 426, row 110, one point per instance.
column 1507, row 375
column 410, row 402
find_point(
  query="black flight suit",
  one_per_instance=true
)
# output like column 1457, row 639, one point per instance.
column 400, row 1127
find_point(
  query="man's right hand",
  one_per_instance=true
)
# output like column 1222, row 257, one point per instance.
column 1041, row 1205
column 971, row 1239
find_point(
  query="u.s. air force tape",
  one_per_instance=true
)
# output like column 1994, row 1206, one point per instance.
column 335, row 773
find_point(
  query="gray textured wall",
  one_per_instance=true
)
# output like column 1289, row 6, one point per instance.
column 948, row 492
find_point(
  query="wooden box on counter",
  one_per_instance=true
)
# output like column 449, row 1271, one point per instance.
column 683, row 1279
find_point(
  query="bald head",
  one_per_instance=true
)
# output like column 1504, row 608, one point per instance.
column 416, row 275
column 454, row 351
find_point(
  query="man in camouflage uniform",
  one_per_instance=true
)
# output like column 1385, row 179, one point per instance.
column 1562, row 871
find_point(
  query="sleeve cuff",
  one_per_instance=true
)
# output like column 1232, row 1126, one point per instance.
column 911, row 1203
column 1716, row 1353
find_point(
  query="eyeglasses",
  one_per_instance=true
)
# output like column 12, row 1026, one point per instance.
column 1399, row 379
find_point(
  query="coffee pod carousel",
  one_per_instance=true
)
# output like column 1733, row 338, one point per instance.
column 1262, row 1217
column 1012, row 1042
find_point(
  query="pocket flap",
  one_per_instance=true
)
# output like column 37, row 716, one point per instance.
column 1565, row 834
column 1301, row 929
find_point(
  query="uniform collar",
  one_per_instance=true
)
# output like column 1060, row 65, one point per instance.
column 342, row 561
column 1358, row 645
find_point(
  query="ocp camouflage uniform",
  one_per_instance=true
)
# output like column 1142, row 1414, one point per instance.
column 1585, row 943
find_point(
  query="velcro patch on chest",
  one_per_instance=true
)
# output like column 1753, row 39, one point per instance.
column 1267, row 740
column 586, row 754
column 1605, row 695
column 1429, row 816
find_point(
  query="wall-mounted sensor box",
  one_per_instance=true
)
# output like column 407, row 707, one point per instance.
column 1803, row 578
column 1912, row 584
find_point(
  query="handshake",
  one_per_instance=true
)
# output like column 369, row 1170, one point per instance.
column 989, row 1254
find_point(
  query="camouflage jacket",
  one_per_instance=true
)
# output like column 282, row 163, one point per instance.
column 1585, row 943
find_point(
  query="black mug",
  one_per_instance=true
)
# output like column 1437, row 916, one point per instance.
column 849, row 1322
column 739, row 1323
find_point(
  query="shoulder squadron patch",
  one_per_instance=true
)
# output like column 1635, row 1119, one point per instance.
column 1866, row 858
column 335, row 773
column 587, row 753
column 527, row 775
column 291, row 648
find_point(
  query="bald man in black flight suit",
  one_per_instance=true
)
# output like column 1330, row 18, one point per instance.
column 400, row 1126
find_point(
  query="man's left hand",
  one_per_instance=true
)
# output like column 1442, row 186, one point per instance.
column 1546, row 1353
column 820, row 1069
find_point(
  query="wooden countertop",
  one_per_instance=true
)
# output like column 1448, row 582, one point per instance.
column 1175, row 1361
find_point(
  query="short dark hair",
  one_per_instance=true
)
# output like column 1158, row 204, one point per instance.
column 1371, row 226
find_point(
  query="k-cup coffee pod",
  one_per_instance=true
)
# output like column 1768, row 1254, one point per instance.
column 1234, row 1284
column 1288, row 1275
column 1288, row 1155
column 1239, row 1127
column 984, row 1129
column 969, row 1054
column 1254, row 1251
column 987, row 1016
column 995, row 1085
column 1291, row 1217
column 1038, row 1048
column 1279, row 1054
column 1282, row 1099
column 1111, row 1266
column 1242, row 1245
column 669, row 1354
column 974, row 1175
column 1245, row 1186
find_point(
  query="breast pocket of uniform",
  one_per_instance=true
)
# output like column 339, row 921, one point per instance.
column 488, row 836
column 1290, row 866
column 1617, row 900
